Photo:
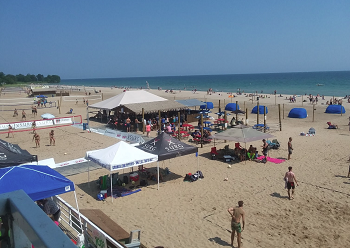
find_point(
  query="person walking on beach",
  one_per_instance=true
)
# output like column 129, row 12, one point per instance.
column 290, row 179
column 52, row 137
column 290, row 147
column 237, row 213
column 264, row 150
column 36, row 137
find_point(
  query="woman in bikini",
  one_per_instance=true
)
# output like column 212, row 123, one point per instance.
column 52, row 137
column 37, row 139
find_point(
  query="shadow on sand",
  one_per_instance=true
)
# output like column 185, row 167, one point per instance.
column 219, row 241
column 278, row 195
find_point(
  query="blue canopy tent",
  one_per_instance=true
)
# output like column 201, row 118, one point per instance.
column 261, row 109
column 231, row 106
column 335, row 109
column 297, row 113
column 207, row 105
column 37, row 181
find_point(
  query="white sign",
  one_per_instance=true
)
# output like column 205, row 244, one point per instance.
column 63, row 121
column 131, row 137
column 44, row 123
column 75, row 161
column 23, row 125
column 6, row 126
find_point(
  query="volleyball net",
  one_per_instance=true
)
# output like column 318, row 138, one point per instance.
column 24, row 106
column 81, row 98
column 25, row 126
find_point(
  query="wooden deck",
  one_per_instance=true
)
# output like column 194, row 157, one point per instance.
column 107, row 225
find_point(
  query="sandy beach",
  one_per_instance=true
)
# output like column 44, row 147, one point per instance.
column 183, row 214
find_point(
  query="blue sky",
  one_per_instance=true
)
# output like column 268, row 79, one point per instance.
column 112, row 38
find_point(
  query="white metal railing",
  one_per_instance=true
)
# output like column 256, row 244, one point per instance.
column 70, row 216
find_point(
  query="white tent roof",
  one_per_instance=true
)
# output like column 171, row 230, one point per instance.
column 128, row 97
column 120, row 156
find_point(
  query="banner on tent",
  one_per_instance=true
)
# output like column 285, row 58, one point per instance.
column 135, row 163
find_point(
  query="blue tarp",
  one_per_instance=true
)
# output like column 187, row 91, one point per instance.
column 207, row 105
column 261, row 110
column 231, row 107
column 38, row 181
column 297, row 113
column 190, row 102
column 335, row 109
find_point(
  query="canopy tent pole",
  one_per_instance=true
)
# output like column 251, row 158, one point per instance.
column 89, row 173
column 110, row 175
column 158, row 173
column 197, row 161
column 76, row 202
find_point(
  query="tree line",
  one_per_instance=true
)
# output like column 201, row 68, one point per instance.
column 29, row 78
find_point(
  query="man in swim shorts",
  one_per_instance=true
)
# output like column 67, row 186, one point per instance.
column 290, row 179
column 237, row 213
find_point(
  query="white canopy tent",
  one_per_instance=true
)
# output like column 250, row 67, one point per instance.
column 120, row 156
column 128, row 97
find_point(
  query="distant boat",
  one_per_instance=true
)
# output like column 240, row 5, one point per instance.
column 319, row 84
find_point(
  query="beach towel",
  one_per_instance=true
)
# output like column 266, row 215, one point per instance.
column 273, row 160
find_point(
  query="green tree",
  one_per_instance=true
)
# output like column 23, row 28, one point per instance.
column 10, row 79
column 20, row 78
column 53, row 79
column 40, row 77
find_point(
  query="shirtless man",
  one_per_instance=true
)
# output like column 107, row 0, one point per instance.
column 236, row 214
column 290, row 179
column 37, row 139
column 290, row 147
column 128, row 124
column 52, row 137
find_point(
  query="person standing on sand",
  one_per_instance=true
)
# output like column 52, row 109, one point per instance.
column 24, row 115
column 37, row 139
column 52, row 137
column 290, row 179
column 10, row 131
column 290, row 147
column 264, row 150
column 237, row 213
column 128, row 121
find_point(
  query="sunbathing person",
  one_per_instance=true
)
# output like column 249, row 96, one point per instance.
column 332, row 126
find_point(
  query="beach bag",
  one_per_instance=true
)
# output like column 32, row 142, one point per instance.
column 143, row 183
column 194, row 177
column 125, row 179
column 100, row 197
column 200, row 174
column 188, row 177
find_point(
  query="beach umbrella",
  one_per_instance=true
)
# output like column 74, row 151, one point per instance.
column 41, row 96
column 204, row 112
column 208, row 128
column 47, row 116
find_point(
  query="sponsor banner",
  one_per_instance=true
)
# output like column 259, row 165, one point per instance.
column 49, row 162
column 23, row 125
column 131, row 164
column 44, row 123
column 63, row 121
column 75, row 161
column 131, row 137
column 6, row 126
